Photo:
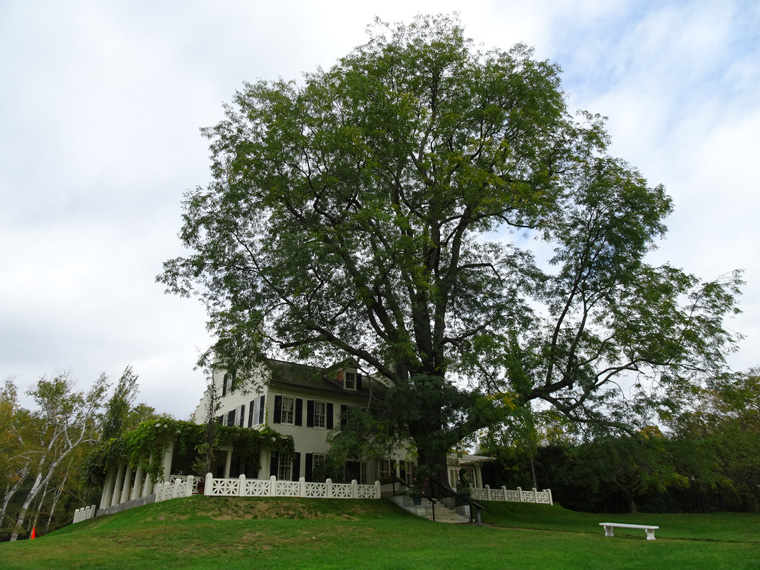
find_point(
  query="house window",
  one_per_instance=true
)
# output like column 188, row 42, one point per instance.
column 288, row 410
column 356, row 470
column 228, row 381
column 384, row 470
column 345, row 412
column 256, row 412
column 316, row 467
column 467, row 474
column 409, row 472
column 284, row 468
column 350, row 381
column 320, row 414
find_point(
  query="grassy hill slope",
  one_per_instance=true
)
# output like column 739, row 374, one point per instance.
column 212, row 533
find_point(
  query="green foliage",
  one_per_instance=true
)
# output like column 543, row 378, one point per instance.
column 380, row 210
column 708, row 460
column 721, row 438
column 144, row 446
column 119, row 405
column 41, row 449
column 362, row 437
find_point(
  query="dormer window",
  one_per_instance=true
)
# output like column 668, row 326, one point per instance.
column 350, row 381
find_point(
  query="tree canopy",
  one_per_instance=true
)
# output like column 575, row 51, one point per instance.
column 389, row 209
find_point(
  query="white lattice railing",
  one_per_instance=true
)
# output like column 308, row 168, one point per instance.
column 513, row 495
column 176, row 488
column 242, row 487
column 84, row 513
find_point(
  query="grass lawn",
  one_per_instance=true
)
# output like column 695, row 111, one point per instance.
column 213, row 533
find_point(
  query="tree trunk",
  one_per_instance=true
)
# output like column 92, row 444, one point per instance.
column 39, row 483
column 56, row 496
column 10, row 493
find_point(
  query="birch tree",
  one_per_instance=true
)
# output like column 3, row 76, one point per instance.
column 65, row 419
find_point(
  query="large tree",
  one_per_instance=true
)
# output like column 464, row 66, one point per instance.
column 389, row 209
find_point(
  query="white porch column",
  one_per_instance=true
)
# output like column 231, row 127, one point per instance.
column 127, row 485
column 228, row 464
column 117, row 486
column 168, row 455
column 137, row 487
column 105, row 498
column 148, row 484
column 478, row 477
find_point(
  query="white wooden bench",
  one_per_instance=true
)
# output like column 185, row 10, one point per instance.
column 649, row 529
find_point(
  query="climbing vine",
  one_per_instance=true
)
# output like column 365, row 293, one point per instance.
column 144, row 446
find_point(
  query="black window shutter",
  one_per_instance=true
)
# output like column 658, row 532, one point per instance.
column 219, row 419
column 231, row 418
column 242, row 415
column 277, row 409
column 250, row 413
column 299, row 412
column 224, row 385
column 358, row 381
column 273, row 464
column 309, row 413
column 309, row 466
column 343, row 415
column 261, row 411
column 296, row 467
column 329, row 416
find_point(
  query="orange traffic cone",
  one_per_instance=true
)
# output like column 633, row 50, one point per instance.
column 34, row 532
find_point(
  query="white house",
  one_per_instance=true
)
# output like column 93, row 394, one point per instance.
column 296, row 400
column 307, row 402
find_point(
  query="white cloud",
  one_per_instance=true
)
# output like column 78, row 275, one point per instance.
column 99, row 138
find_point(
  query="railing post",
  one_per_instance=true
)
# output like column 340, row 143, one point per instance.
column 241, row 485
column 189, row 488
column 301, row 486
column 503, row 493
column 328, row 482
column 535, row 495
column 209, row 485
column 354, row 489
column 519, row 494
column 272, row 486
column 551, row 501
column 378, row 490
column 488, row 492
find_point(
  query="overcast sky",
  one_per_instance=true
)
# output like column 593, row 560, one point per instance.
column 102, row 101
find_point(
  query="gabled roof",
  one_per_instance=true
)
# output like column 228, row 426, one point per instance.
column 324, row 380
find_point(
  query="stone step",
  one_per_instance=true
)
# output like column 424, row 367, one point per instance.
column 443, row 514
